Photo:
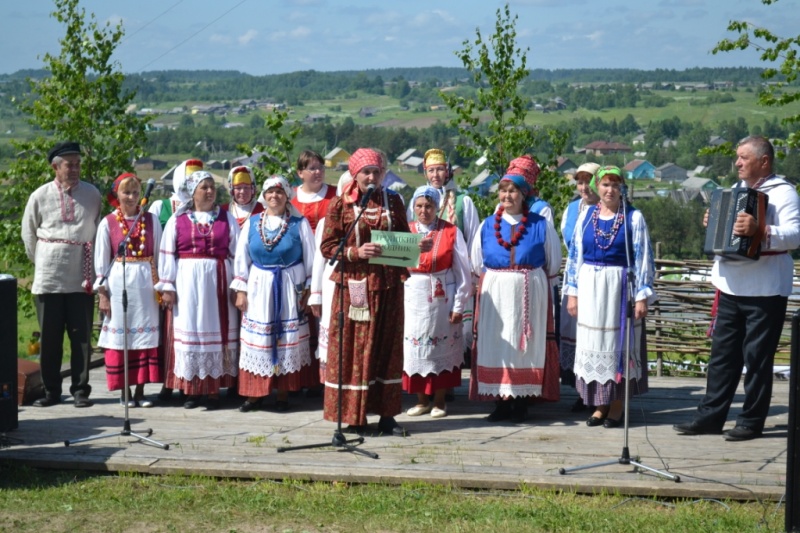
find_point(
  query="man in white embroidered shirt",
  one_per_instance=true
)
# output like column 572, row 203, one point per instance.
column 752, row 304
column 58, row 229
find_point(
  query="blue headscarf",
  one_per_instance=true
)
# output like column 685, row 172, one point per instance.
column 520, row 182
column 428, row 192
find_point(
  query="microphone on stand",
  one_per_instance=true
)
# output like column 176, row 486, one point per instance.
column 367, row 194
column 151, row 183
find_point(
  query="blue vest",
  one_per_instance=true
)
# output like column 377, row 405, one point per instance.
column 615, row 254
column 287, row 252
column 529, row 252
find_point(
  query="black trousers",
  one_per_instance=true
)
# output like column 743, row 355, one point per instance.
column 747, row 332
column 72, row 312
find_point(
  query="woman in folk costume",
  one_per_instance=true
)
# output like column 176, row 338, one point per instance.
column 322, row 286
column 272, row 275
column 586, row 197
column 313, row 195
column 515, row 355
column 163, row 209
column 311, row 199
column 372, row 355
column 242, row 188
column 195, row 269
column 454, row 207
column 597, row 294
column 140, row 275
column 436, row 294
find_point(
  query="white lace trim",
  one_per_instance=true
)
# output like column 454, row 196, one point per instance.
column 290, row 360
column 190, row 365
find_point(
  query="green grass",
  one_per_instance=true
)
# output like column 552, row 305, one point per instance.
column 36, row 500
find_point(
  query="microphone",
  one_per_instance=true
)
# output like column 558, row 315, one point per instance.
column 151, row 183
column 367, row 194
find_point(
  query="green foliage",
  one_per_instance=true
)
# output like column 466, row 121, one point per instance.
column 275, row 158
column 498, row 68
column 773, row 49
column 82, row 100
column 678, row 227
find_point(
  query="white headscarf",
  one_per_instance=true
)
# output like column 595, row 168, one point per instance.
column 180, row 194
column 283, row 183
column 190, row 185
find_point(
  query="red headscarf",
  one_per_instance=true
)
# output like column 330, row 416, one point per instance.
column 364, row 157
column 526, row 167
column 112, row 194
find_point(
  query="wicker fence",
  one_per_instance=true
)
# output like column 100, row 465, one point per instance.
column 678, row 322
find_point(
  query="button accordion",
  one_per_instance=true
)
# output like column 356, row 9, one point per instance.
column 726, row 204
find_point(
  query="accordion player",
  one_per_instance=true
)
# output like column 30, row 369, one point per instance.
column 726, row 204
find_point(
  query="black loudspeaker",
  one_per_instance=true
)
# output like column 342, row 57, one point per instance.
column 9, row 418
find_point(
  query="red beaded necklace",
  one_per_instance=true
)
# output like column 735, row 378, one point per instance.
column 517, row 233
column 136, row 233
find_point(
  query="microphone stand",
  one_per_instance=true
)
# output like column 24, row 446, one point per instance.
column 628, row 327
column 126, row 426
column 339, row 441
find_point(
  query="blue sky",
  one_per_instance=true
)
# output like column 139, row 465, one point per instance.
column 274, row 36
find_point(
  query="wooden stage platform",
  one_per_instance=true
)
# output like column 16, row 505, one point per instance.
column 461, row 450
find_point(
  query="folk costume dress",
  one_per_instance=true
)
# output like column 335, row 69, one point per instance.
column 568, row 323
column 322, row 287
column 314, row 206
column 196, row 261
column 163, row 209
column 433, row 348
column 142, row 314
column 373, row 327
column 457, row 208
column 596, row 273
column 514, row 352
column 273, row 265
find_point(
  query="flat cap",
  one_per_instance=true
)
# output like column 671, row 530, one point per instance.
column 63, row 148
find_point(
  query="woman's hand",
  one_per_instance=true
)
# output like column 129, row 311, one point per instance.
column 316, row 310
column 169, row 299
column 426, row 245
column 572, row 306
column 369, row 249
column 241, row 301
column 640, row 311
column 456, row 318
column 104, row 304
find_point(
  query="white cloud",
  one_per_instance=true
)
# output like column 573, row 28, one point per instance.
column 247, row 37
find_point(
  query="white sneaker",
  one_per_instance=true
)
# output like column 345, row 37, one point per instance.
column 438, row 413
column 144, row 402
column 418, row 410
column 131, row 403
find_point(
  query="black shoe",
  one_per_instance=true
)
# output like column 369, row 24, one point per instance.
column 357, row 430
column 696, row 428
column 593, row 421
column 502, row 411
column 47, row 401
column 192, row 402
column 609, row 423
column 212, row 404
column 82, row 400
column 742, row 433
column 248, row 406
column 520, row 410
column 387, row 425
column 282, row 406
